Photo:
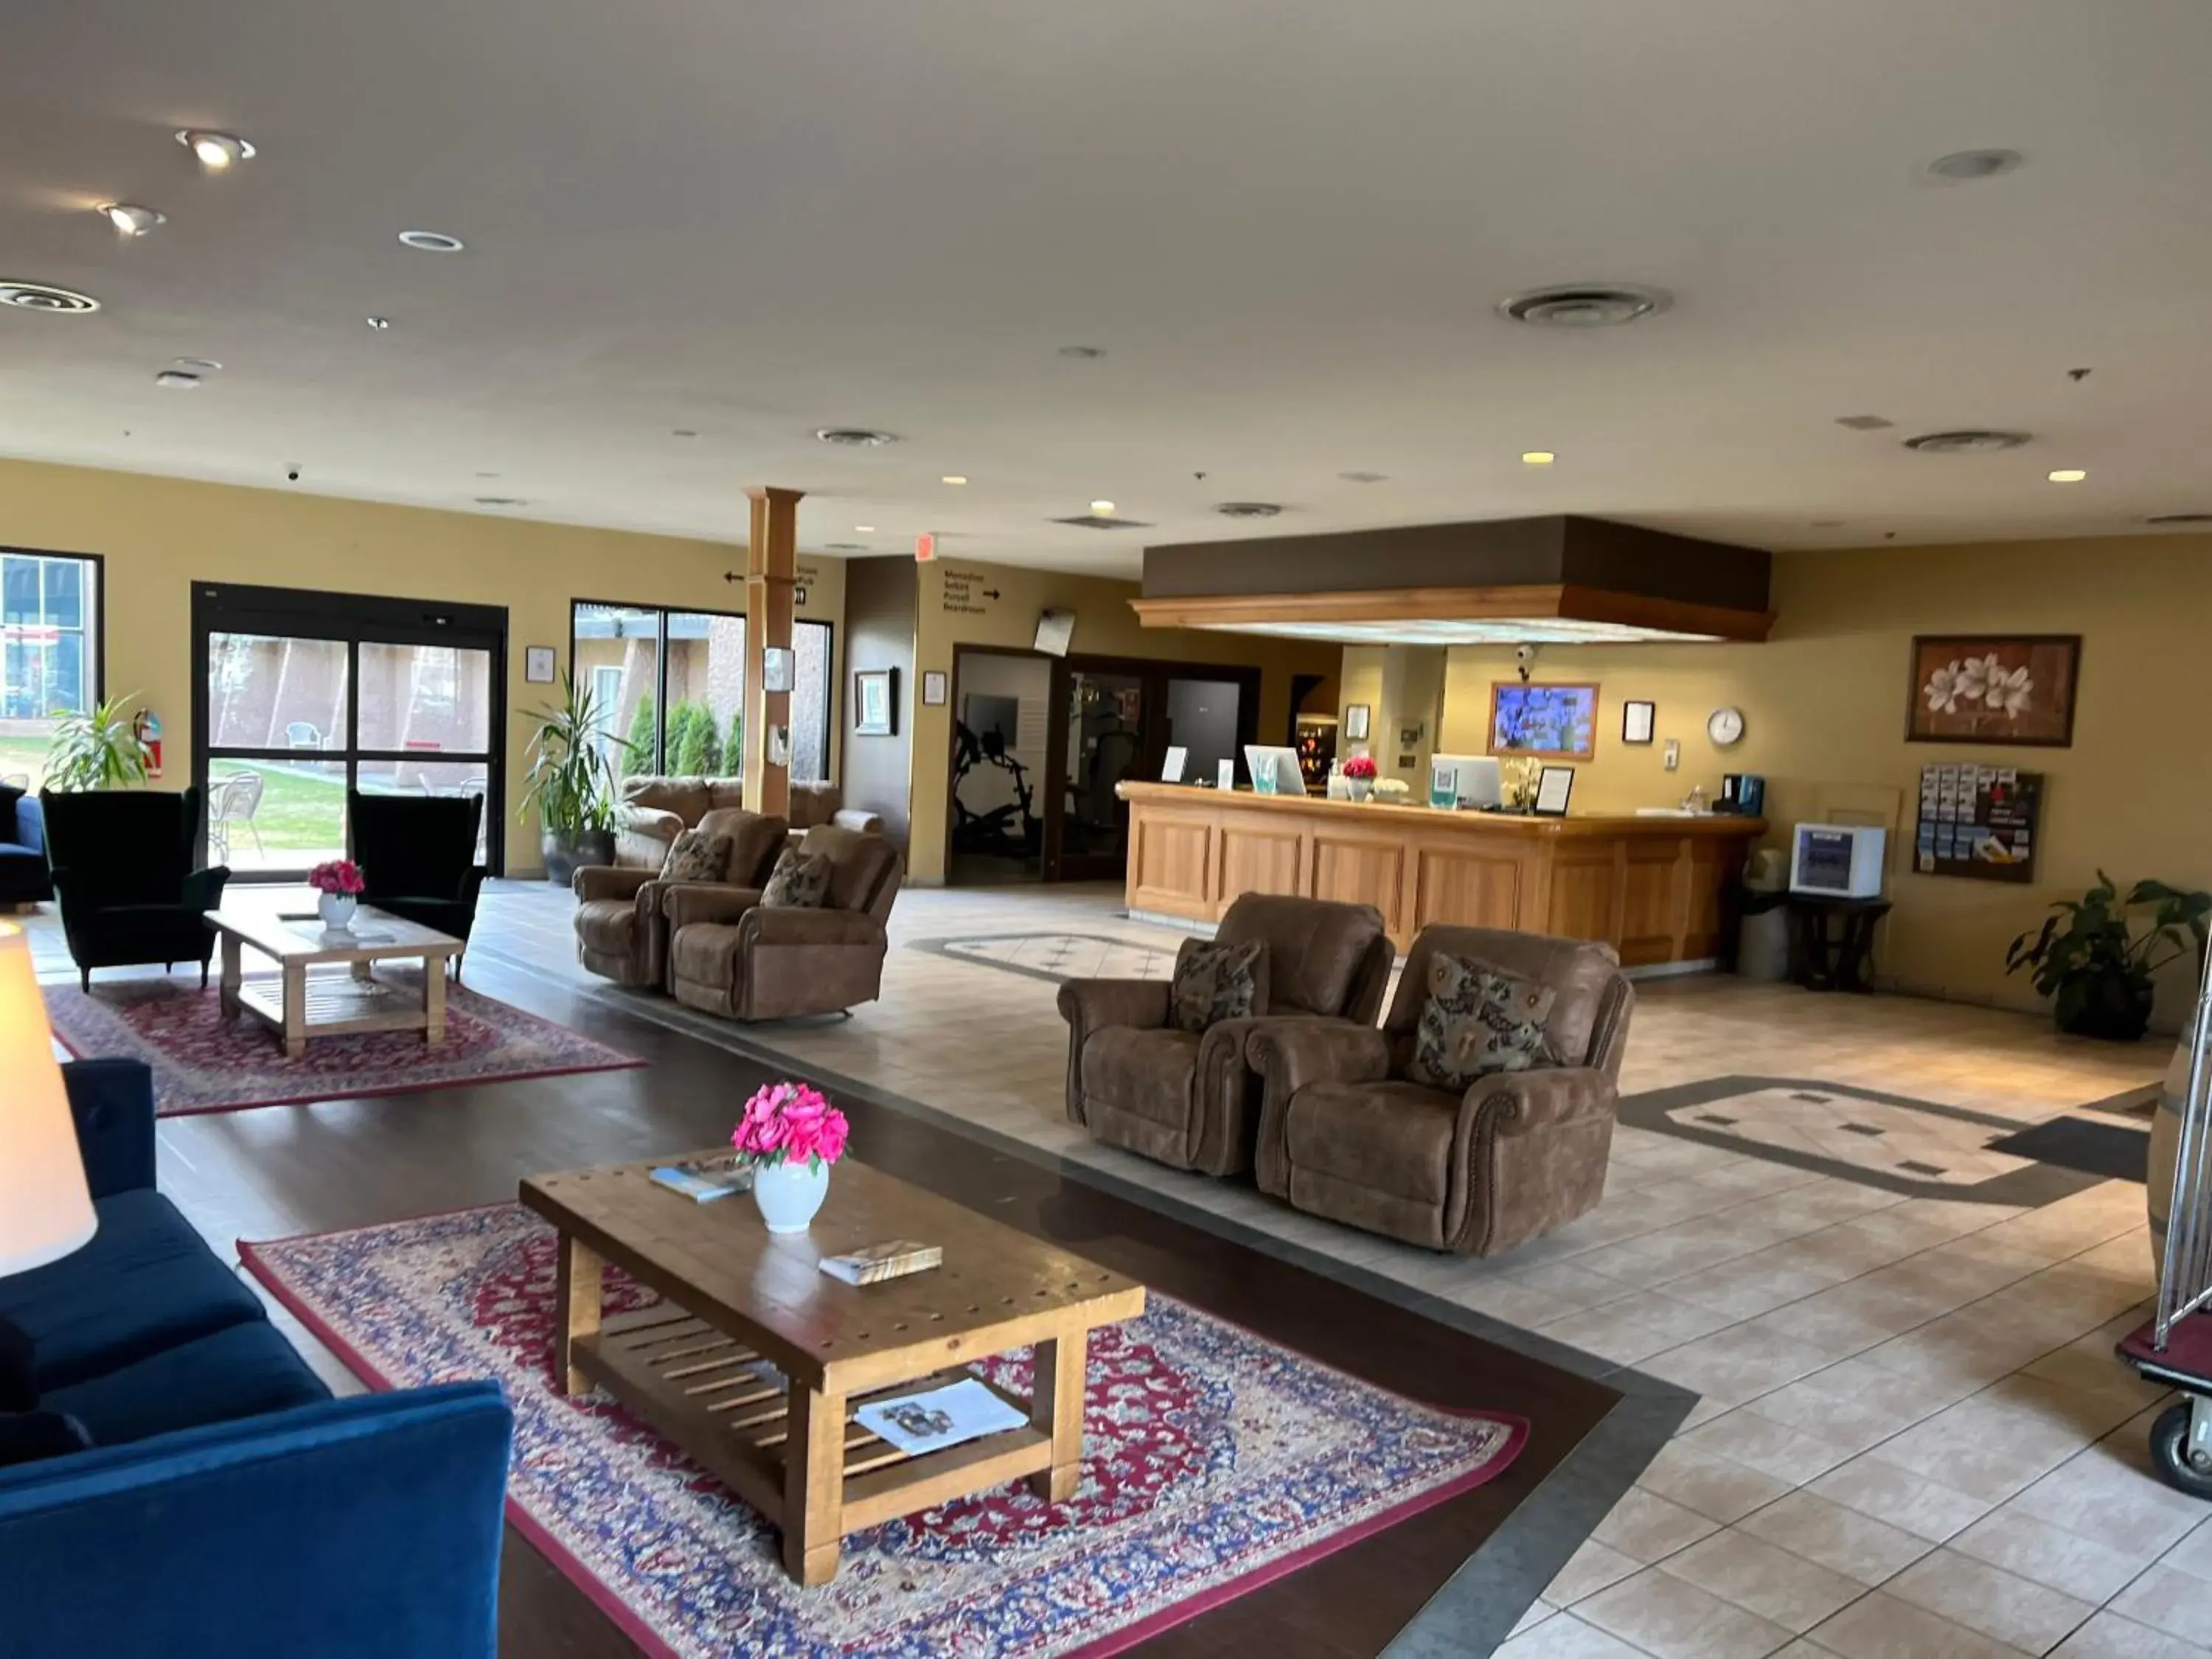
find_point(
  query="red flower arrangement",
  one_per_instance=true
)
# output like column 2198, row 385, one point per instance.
column 790, row 1123
column 1360, row 766
column 340, row 877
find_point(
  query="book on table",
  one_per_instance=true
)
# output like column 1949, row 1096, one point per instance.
column 874, row 1263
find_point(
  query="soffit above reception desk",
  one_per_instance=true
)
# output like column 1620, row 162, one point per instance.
column 1557, row 579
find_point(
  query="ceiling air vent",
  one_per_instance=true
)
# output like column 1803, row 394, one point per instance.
column 1101, row 521
column 844, row 547
column 1964, row 443
column 1586, row 305
column 854, row 437
column 44, row 296
column 1248, row 509
column 501, row 500
column 2181, row 519
column 1864, row 423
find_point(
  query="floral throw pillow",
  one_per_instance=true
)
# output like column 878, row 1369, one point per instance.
column 1213, row 983
column 1478, row 1021
column 801, row 881
column 696, row 855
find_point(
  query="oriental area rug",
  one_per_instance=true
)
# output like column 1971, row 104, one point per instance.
column 1215, row 1461
column 204, row 1063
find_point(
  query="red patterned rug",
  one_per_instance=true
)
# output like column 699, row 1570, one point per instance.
column 1215, row 1461
column 205, row 1063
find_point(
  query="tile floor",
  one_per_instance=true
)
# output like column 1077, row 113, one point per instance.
column 1913, row 1438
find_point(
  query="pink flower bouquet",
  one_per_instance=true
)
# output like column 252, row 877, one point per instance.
column 790, row 1123
column 341, row 876
column 1360, row 766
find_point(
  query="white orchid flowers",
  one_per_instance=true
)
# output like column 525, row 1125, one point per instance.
column 1983, row 680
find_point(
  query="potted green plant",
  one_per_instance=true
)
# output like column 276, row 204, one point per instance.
column 96, row 748
column 2097, row 956
column 571, row 783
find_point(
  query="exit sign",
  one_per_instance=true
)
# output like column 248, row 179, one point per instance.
column 925, row 547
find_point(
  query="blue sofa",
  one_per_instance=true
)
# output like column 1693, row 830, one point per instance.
column 229, row 1508
column 24, row 877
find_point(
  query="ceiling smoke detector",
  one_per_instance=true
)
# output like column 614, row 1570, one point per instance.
column 1967, row 442
column 1248, row 509
column 1099, row 521
column 854, row 437
column 44, row 296
column 1964, row 166
column 1586, row 305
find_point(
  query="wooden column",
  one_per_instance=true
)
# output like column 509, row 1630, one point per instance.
column 771, row 577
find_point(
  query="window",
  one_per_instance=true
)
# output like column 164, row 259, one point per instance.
column 49, row 653
column 667, row 689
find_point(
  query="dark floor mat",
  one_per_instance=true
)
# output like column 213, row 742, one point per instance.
column 2111, row 1149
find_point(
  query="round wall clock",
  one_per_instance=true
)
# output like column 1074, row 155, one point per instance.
column 1725, row 725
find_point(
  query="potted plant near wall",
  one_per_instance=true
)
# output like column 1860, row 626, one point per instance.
column 96, row 748
column 2096, row 957
column 571, row 783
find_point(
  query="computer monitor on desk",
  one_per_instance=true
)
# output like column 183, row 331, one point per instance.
column 1467, row 780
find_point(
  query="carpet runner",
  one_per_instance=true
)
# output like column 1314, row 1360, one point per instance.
column 1216, row 1460
column 205, row 1063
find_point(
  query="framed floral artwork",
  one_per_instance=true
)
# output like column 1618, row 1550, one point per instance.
column 1994, row 688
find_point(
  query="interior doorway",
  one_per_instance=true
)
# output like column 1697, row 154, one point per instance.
column 1001, row 757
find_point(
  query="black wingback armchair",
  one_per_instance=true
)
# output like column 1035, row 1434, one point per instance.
column 123, row 870
column 417, row 856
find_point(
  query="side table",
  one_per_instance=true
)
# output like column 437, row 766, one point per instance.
column 1834, row 941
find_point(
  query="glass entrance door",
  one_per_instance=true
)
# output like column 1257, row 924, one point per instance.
column 301, row 696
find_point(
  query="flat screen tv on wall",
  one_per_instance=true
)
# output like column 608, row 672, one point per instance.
column 1553, row 722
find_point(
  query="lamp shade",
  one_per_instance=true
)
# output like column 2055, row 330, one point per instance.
column 45, row 1209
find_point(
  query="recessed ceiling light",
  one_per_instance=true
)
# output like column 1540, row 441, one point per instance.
column 431, row 242
column 854, row 437
column 864, row 530
column 2067, row 475
column 174, row 380
column 1970, row 441
column 954, row 478
column 132, row 219
column 380, row 324
column 196, row 365
column 1586, row 305
column 1084, row 354
column 1102, row 506
column 45, row 296
column 1537, row 458
column 1965, row 166
column 215, row 151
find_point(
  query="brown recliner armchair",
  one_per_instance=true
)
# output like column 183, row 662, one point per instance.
column 622, row 933
column 1345, row 1134
column 732, row 955
column 1189, row 1098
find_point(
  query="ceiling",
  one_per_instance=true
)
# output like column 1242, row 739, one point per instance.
column 1286, row 226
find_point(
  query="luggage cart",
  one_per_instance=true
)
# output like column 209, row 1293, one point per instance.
column 2175, row 1348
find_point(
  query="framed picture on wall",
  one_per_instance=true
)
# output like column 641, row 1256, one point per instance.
column 1994, row 688
column 932, row 687
column 1357, row 717
column 875, row 703
column 1550, row 722
column 537, row 665
column 1637, row 720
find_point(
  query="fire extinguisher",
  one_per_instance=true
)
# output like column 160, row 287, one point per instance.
column 147, row 725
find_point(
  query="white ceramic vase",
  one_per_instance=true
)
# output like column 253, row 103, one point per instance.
column 1359, row 788
column 337, row 909
column 789, row 1193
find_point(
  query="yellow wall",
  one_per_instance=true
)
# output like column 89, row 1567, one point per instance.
column 957, row 608
column 1824, row 703
column 159, row 536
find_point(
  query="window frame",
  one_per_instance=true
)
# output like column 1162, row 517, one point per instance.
column 94, row 630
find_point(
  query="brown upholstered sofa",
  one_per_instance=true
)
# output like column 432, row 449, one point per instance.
column 656, row 810
column 730, row 955
column 1189, row 1098
column 1343, row 1133
column 621, row 932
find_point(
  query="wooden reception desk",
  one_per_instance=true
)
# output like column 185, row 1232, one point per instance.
column 1655, row 888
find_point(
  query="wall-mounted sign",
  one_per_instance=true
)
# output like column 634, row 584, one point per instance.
column 1978, row 821
column 967, row 592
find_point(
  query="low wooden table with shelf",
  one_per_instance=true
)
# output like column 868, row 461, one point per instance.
column 299, row 1006
column 735, row 1295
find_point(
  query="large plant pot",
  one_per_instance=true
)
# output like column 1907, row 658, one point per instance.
column 566, row 850
column 2113, row 1009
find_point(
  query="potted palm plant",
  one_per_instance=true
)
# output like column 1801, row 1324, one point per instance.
column 571, row 783
column 96, row 748
column 2097, row 956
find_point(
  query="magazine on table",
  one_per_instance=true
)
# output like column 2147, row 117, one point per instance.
column 950, row 1416
column 704, row 1184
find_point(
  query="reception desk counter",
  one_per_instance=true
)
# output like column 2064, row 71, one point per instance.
column 1653, row 888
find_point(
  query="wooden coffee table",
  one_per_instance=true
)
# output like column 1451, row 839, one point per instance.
column 299, row 1007
column 736, row 1294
